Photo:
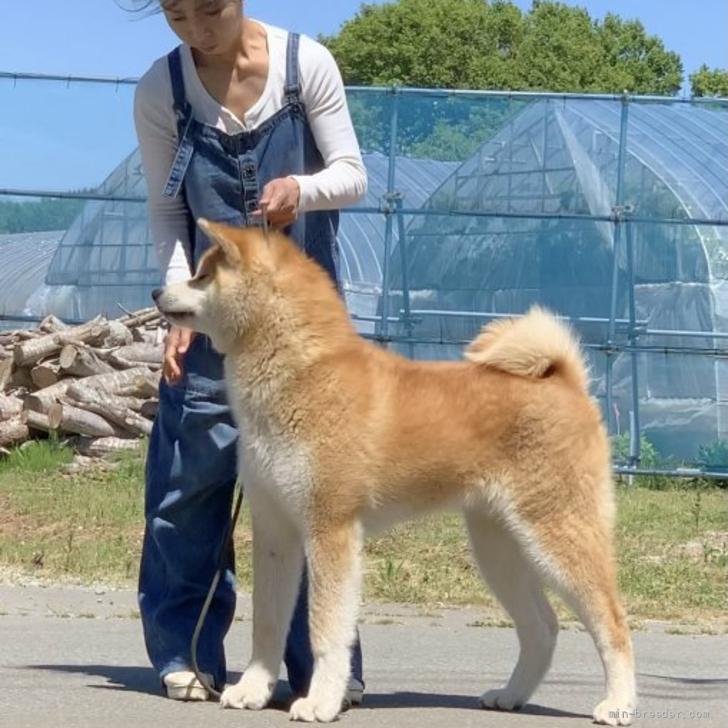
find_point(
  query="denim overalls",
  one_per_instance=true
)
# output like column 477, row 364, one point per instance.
column 191, row 465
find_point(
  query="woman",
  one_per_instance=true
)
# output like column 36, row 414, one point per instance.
column 242, row 119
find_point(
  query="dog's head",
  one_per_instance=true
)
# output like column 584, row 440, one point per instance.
column 249, row 281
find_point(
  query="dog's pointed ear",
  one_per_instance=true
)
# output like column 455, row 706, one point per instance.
column 220, row 234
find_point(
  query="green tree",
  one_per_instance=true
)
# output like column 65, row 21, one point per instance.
column 428, row 43
column 635, row 61
column 42, row 215
column 709, row 82
column 474, row 44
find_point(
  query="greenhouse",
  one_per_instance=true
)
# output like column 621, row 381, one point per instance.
column 612, row 211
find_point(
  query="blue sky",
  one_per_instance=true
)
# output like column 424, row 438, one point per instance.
column 58, row 136
column 95, row 37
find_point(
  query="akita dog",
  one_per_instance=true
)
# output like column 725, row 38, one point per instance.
column 339, row 436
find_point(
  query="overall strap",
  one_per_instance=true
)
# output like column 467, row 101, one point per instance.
column 293, row 84
column 183, row 114
column 181, row 106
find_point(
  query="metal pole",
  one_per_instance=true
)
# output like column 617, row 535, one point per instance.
column 432, row 92
column 407, row 313
column 618, row 212
column 634, row 435
column 545, row 152
column 388, row 210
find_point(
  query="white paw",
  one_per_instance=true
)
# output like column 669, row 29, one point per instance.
column 614, row 712
column 310, row 710
column 252, row 692
column 501, row 699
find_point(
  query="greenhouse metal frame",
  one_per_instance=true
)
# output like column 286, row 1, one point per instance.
column 394, row 314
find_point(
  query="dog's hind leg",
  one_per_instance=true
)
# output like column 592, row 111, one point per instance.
column 334, row 573
column 277, row 570
column 583, row 572
column 518, row 587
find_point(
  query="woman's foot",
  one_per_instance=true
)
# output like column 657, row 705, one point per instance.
column 184, row 685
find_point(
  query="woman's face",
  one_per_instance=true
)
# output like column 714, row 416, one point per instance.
column 209, row 26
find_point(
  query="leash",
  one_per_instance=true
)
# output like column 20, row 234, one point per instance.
column 221, row 562
column 211, row 592
column 266, row 226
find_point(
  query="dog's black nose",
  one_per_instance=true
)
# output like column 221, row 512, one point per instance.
column 156, row 293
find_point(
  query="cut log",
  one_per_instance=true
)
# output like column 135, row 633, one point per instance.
column 36, row 420
column 33, row 350
column 10, row 406
column 13, row 432
column 6, row 374
column 46, row 374
column 141, row 353
column 52, row 324
column 92, row 332
column 139, row 318
column 82, row 361
column 136, row 404
column 100, row 446
column 110, row 367
column 26, row 334
column 78, row 390
column 111, row 407
column 121, row 363
column 42, row 400
column 20, row 378
column 139, row 377
column 143, row 386
column 70, row 419
column 9, row 338
column 119, row 335
column 29, row 352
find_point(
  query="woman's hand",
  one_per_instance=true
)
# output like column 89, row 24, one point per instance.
column 279, row 202
column 175, row 347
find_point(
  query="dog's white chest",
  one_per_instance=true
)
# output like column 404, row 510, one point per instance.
column 277, row 463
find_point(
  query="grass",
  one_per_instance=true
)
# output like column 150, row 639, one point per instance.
column 87, row 527
column 55, row 524
column 673, row 550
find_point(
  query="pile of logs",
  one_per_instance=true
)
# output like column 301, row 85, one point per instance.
column 96, row 383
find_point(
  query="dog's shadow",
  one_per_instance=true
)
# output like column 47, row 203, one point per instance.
column 445, row 700
column 144, row 680
column 118, row 677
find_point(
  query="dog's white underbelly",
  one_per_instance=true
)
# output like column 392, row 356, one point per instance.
column 381, row 517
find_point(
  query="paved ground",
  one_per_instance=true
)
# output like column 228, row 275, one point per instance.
column 74, row 658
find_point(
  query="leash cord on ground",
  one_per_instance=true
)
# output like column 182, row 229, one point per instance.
column 211, row 593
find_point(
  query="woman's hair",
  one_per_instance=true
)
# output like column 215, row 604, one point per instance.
column 149, row 7
column 139, row 6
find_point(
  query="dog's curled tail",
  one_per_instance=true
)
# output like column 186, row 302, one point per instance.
column 538, row 345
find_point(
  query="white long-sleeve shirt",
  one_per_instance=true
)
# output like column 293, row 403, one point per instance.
column 342, row 181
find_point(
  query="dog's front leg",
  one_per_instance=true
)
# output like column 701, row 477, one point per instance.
column 334, row 576
column 277, row 569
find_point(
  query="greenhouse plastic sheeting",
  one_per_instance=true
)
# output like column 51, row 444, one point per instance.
column 612, row 211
